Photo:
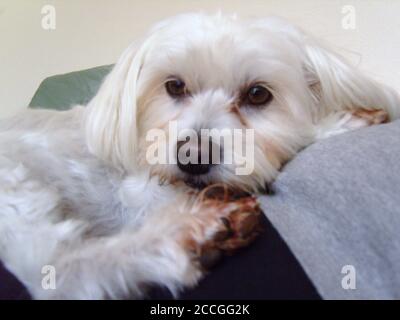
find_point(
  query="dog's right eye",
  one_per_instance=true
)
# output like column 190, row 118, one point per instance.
column 176, row 88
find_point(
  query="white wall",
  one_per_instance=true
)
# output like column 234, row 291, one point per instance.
column 94, row 32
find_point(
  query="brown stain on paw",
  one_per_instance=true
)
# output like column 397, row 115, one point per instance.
column 373, row 117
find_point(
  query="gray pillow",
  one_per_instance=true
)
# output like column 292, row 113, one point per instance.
column 338, row 203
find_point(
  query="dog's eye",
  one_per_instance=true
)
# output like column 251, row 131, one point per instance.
column 258, row 95
column 176, row 88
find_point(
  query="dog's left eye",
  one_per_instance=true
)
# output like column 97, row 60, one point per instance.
column 258, row 95
column 176, row 88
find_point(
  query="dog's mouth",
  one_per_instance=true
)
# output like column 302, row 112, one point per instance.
column 201, row 185
column 196, row 183
column 193, row 181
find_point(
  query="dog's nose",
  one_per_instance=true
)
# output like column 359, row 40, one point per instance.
column 197, row 167
column 194, row 168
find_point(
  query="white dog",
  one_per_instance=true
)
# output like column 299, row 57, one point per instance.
column 76, row 189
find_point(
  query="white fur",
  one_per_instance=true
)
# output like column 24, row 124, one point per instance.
column 77, row 193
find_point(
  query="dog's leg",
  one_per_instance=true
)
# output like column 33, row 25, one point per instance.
column 172, row 249
column 344, row 121
column 29, row 231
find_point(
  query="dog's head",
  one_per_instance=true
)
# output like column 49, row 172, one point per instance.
column 219, row 72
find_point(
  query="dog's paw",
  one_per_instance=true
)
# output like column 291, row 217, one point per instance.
column 237, row 230
column 345, row 121
column 371, row 117
column 227, row 221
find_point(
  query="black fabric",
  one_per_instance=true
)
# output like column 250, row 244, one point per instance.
column 265, row 270
column 10, row 287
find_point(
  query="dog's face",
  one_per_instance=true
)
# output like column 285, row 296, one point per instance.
column 211, row 72
column 221, row 74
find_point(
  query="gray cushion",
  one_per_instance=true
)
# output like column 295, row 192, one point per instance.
column 337, row 204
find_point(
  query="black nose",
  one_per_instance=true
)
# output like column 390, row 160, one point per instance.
column 194, row 168
column 198, row 167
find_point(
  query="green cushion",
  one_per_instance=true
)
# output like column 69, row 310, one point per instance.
column 61, row 92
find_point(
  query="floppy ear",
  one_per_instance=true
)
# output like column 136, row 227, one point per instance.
column 110, row 120
column 336, row 85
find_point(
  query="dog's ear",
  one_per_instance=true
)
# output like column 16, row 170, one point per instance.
column 336, row 85
column 110, row 120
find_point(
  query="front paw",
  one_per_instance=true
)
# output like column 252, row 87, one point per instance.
column 230, row 220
